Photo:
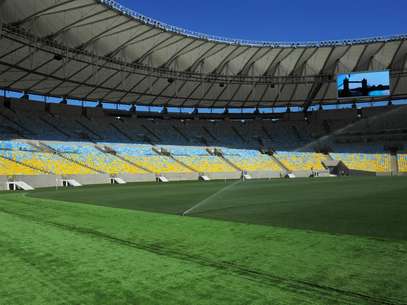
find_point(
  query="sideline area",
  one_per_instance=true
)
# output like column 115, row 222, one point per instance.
column 367, row 206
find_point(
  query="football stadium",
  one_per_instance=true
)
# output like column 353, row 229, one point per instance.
column 143, row 163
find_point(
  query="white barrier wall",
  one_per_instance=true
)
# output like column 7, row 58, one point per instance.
column 90, row 179
column 3, row 183
column 39, row 181
column 223, row 176
column 43, row 181
column 182, row 177
column 137, row 178
column 265, row 175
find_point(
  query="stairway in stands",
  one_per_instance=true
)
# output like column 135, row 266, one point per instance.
column 66, row 157
column 238, row 134
column 280, row 164
column 89, row 129
column 151, row 132
column 23, row 130
column 181, row 133
column 124, row 159
column 37, row 169
column 225, row 159
column 55, row 127
column 209, row 134
column 394, row 164
column 122, row 132
column 183, row 164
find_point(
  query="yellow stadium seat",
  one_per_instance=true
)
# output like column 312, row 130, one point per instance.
column 365, row 162
column 299, row 161
column 207, row 164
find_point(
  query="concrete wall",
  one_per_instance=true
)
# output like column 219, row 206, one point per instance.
column 90, row 179
column 38, row 181
column 388, row 174
column 137, row 178
column 3, row 183
column 265, row 174
column 302, row 174
column 353, row 172
column 42, row 181
column 181, row 176
column 223, row 176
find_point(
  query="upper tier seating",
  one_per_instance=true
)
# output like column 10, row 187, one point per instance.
column 87, row 155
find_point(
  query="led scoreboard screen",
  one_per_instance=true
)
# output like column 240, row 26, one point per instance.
column 363, row 84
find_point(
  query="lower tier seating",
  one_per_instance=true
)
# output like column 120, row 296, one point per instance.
column 365, row 162
column 46, row 162
column 301, row 161
column 207, row 164
column 158, row 164
column 87, row 154
column 256, row 162
column 402, row 160
column 82, row 158
column 106, row 163
column 11, row 168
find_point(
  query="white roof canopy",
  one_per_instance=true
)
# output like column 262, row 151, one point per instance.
column 97, row 50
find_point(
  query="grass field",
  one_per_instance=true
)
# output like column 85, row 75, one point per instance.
column 305, row 241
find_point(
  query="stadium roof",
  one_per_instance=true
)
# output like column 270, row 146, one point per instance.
column 99, row 50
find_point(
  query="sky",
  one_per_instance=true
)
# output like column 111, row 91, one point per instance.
column 280, row 20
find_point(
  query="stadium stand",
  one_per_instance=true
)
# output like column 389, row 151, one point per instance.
column 182, row 106
column 88, row 156
column 402, row 161
column 251, row 160
column 42, row 162
column 365, row 162
column 300, row 161
column 65, row 142
column 207, row 164
column 9, row 167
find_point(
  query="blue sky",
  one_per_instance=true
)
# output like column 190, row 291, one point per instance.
column 280, row 20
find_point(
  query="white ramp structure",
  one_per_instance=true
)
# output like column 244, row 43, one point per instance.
column 70, row 183
column 19, row 186
column 204, row 178
column 162, row 179
column 117, row 180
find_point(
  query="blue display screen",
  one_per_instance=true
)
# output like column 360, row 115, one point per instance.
column 363, row 84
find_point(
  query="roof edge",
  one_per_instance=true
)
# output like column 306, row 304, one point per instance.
column 112, row 4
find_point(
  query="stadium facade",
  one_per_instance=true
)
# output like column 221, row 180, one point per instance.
column 101, row 52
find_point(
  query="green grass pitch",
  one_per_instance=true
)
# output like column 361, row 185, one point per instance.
column 305, row 241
